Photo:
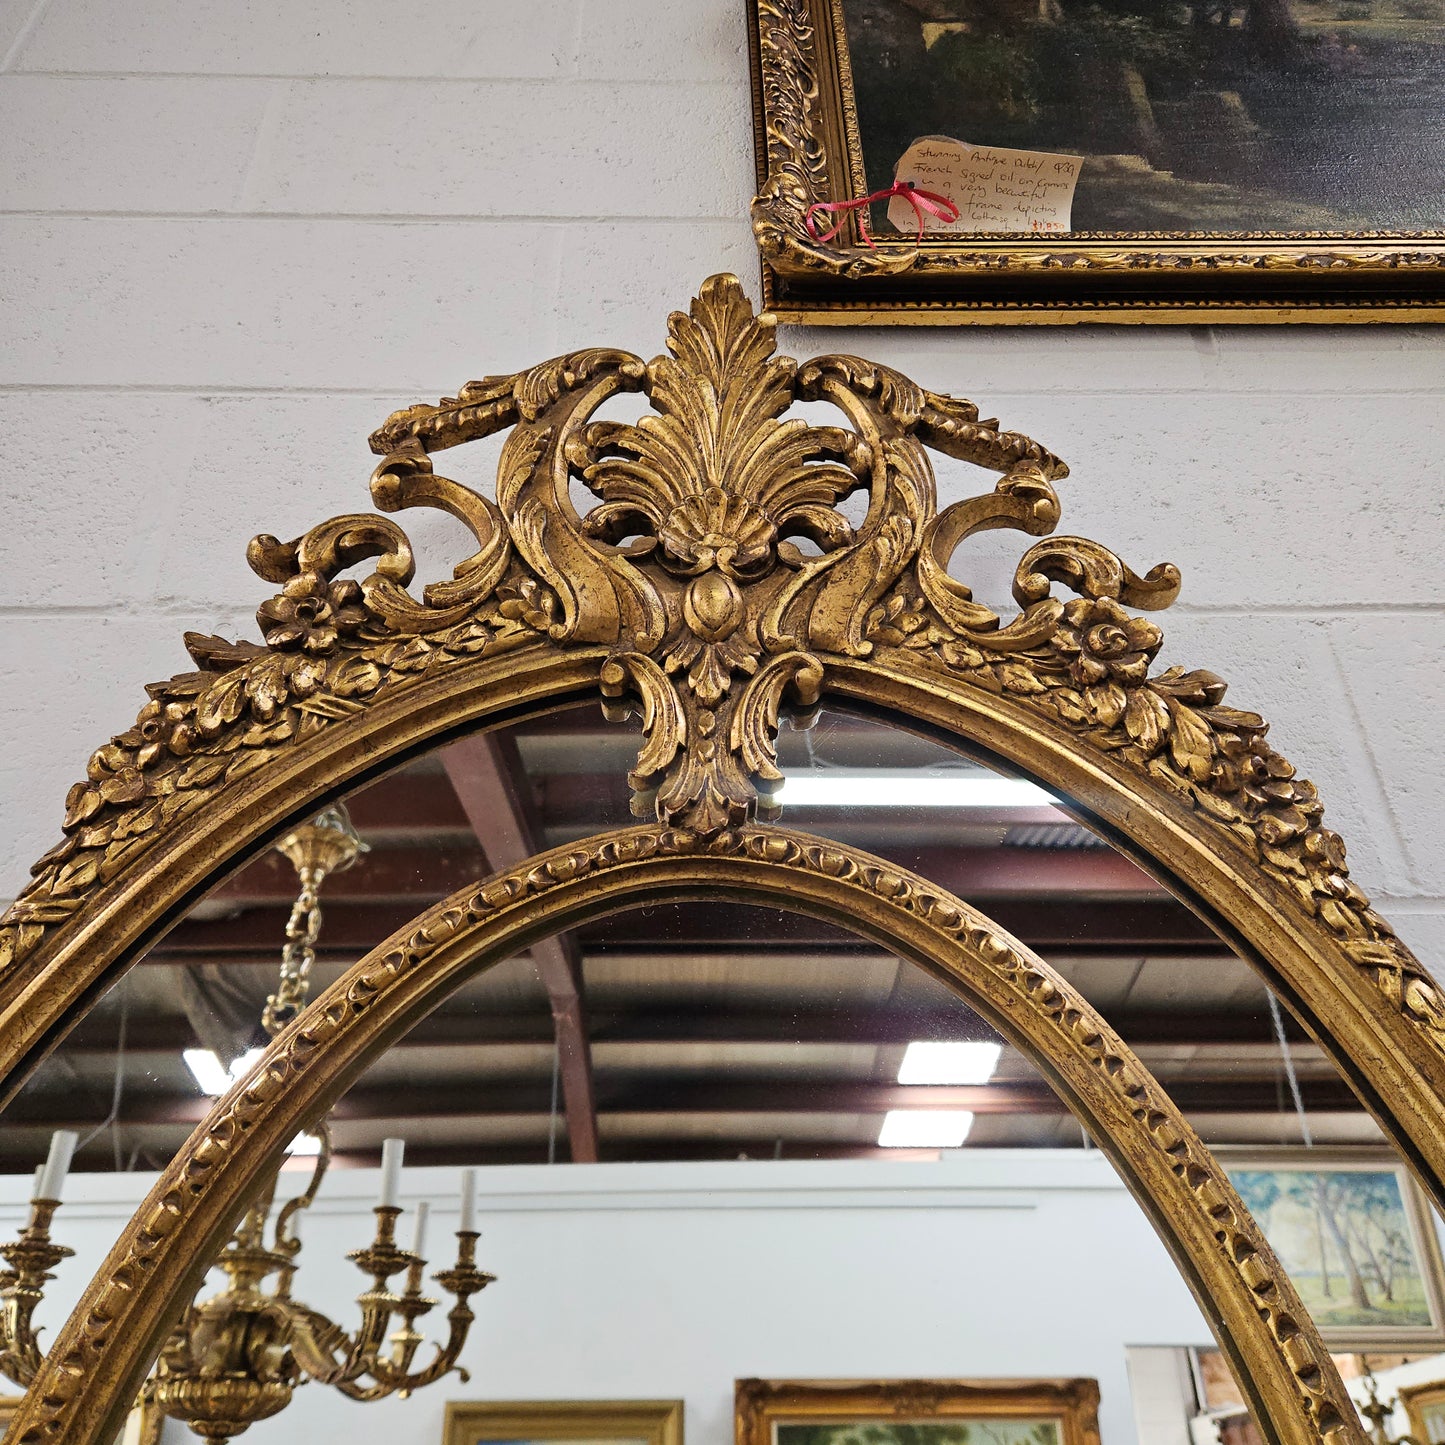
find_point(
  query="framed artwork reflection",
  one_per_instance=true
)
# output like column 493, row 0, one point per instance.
column 1425, row 1406
column 1356, row 1238
column 575, row 1422
column 1109, row 160
column 917, row 1412
column 142, row 1428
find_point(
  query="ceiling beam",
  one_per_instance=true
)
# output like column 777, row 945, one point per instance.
column 661, row 1095
column 572, row 803
column 491, row 786
column 408, row 802
column 1048, row 925
column 413, row 872
column 680, row 1022
column 422, row 1156
column 635, row 1151
column 412, row 802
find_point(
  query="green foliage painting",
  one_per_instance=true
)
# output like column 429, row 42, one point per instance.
column 1344, row 1236
column 990, row 1431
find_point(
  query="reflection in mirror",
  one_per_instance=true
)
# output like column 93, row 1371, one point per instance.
column 1190, row 1395
column 714, row 1033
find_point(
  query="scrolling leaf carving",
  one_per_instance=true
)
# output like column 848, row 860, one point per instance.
column 720, row 575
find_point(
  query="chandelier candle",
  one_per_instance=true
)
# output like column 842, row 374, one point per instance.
column 57, row 1165
column 418, row 1238
column 468, row 1222
column 391, row 1152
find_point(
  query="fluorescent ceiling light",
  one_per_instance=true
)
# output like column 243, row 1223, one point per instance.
column 306, row 1146
column 970, row 1063
column 206, row 1069
column 847, row 789
column 925, row 1128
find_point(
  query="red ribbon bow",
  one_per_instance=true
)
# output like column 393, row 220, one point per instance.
column 923, row 203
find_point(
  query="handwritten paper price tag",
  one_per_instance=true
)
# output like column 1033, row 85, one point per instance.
column 995, row 189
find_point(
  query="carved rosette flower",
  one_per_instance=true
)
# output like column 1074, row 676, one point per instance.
column 1108, row 652
column 311, row 615
column 146, row 738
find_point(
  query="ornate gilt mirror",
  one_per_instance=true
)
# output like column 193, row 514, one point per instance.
column 721, row 563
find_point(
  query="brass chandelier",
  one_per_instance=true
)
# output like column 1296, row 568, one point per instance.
column 1378, row 1412
column 237, row 1356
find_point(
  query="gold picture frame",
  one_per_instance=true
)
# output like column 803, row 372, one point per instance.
column 809, row 152
column 931, row 1412
column 637, row 1422
column 142, row 1428
column 1356, row 1220
column 1425, row 1406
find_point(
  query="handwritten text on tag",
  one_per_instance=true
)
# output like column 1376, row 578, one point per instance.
column 995, row 189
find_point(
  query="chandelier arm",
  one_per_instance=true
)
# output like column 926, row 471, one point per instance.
column 462, row 1281
column 29, row 1261
column 394, row 1376
column 19, row 1348
column 284, row 1242
column 365, row 1393
column 444, row 1362
column 407, row 1340
column 19, row 1365
column 316, row 1341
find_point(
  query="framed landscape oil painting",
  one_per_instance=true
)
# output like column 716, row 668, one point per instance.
column 1117, row 160
column 917, row 1412
column 1357, row 1240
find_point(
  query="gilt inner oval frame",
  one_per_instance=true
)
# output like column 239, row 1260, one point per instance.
column 161, row 1257
column 683, row 595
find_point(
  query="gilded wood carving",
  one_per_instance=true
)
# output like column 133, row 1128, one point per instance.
column 716, row 582
column 1291, row 1381
column 777, row 1412
column 692, row 575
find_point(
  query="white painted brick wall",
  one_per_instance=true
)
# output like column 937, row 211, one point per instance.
column 234, row 236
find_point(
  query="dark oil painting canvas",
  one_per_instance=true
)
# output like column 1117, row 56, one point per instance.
column 1225, row 116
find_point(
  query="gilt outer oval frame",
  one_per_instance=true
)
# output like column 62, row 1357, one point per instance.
column 354, row 679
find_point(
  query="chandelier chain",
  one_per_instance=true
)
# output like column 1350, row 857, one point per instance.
column 302, row 930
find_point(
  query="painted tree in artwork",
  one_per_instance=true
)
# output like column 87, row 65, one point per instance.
column 1272, row 25
column 1333, row 1197
column 1377, row 1223
column 1261, row 1191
